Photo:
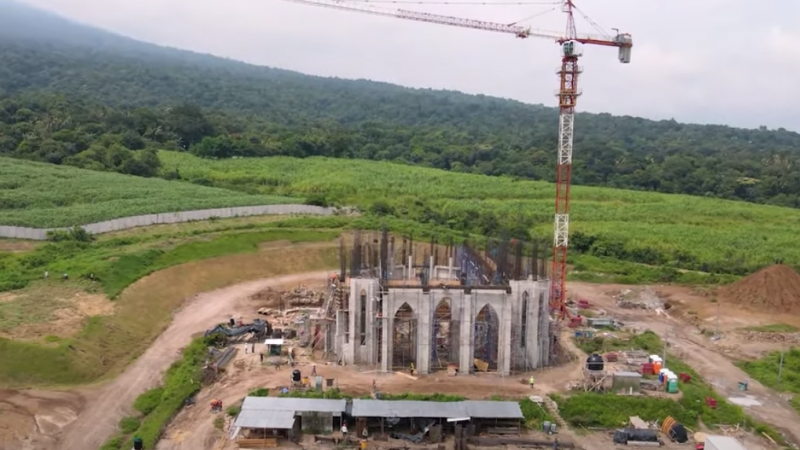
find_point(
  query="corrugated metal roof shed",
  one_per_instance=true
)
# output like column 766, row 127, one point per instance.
column 406, row 409
column 295, row 405
column 422, row 409
column 723, row 443
column 259, row 418
column 487, row 409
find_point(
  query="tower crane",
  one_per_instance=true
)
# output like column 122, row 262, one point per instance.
column 567, row 94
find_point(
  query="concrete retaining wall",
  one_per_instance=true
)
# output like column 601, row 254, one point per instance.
column 124, row 223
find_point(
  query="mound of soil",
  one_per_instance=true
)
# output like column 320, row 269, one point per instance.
column 776, row 289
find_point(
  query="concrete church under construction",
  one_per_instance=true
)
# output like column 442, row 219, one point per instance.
column 450, row 307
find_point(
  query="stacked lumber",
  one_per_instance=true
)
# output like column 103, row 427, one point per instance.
column 257, row 443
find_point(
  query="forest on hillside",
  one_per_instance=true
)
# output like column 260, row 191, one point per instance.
column 74, row 95
column 63, row 130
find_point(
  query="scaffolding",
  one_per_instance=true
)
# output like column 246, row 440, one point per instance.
column 426, row 264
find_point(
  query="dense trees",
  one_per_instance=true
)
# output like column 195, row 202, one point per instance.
column 242, row 110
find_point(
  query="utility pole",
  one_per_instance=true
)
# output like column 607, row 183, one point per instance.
column 664, row 356
column 780, row 368
column 716, row 333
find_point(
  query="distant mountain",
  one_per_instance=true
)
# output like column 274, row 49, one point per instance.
column 301, row 115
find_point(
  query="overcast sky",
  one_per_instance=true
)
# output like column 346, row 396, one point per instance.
column 734, row 62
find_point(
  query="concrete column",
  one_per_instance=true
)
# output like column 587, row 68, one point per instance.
column 388, row 326
column 531, row 340
column 467, row 318
column 450, row 268
column 544, row 324
column 391, row 262
column 456, row 303
column 424, row 327
column 410, row 268
column 369, row 325
column 504, row 350
column 430, row 270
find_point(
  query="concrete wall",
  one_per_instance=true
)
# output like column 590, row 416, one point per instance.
column 40, row 234
column 537, row 331
column 358, row 349
column 464, row 308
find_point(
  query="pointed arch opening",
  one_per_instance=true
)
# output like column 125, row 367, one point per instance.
column 486, row 336
column 404, row 337
column 444, row 327
column 362, row 321
column 524, row 325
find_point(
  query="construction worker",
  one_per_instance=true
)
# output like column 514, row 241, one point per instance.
column 530, row 382
column 313, row 370
column 411, row 368
column 344, row 429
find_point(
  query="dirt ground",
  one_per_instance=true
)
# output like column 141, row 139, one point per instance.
column 32, row 419
column 193, row 428
column 49, row 309
column 85, row 418
column 690, row 311
column 711, row 359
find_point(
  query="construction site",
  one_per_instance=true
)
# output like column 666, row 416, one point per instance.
column 396, row 304
column 438, row 307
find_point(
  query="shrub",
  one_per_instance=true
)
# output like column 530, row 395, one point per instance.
column 129, row 424
column 75, row 233
column 260, row 392
column 115, row 443
column 149, row 400
column 534, row 413
column 610, row 411
column 219, row 422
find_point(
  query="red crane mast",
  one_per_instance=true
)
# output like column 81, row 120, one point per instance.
column 568, row 94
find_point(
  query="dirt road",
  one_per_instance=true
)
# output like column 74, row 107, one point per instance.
column 109, row 403
column 702, row 354
column 764, row 404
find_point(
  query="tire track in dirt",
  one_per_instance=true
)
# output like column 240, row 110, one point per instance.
column 109, row 403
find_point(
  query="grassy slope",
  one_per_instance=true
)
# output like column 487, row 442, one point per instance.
column 710, row 229
column 108, row 344
column 43, row 195
column 766, row 370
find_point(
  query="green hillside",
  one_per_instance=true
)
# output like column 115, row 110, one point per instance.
column 678, row 231
column 43, row 195
column 261, row 111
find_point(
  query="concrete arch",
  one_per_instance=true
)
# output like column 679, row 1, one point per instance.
column 404, row 337
column 486, row 336
column 406, row 308
column 442, row 331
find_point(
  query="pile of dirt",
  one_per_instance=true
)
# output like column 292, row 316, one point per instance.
column 643, row 298
column 776, row 288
